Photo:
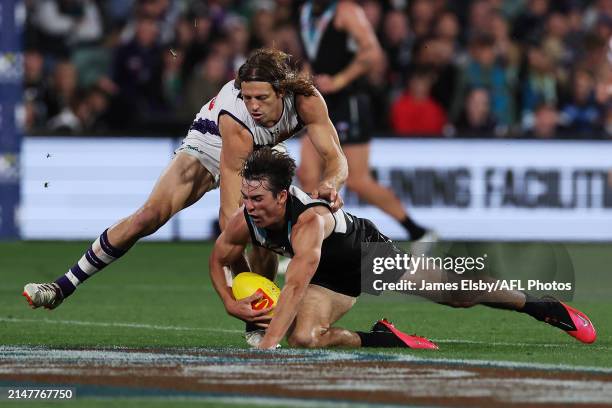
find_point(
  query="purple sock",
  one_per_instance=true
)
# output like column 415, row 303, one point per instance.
column 100, row 254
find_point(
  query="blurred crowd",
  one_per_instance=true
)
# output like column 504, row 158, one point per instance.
column 453, row 68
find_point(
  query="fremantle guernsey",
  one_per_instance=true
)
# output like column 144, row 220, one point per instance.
column 229, row 102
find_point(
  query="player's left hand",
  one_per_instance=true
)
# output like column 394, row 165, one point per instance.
column 329, row 194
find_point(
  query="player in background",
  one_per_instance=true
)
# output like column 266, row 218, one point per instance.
column 323, row 279
column 341, row 47
column 267, row 103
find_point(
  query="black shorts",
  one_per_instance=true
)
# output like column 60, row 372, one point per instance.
column 349, row 272
column 350, row 114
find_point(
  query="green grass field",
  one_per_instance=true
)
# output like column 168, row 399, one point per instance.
column 160, row 295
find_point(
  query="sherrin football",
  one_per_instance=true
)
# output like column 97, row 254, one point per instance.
column 247, row 283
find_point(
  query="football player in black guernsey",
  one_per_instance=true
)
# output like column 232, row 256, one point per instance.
column 324, row 276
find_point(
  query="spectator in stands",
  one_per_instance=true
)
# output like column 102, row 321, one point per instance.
column 575, row 36
column 480, row 18
column 98, row 103
column 34, row 89
column 539, row 85
column 531, row 22
column 184, row 33
column 284, row 10
column 484, row 71
column 416, row 112
column 546, row 122
column 508, row 8
column 286, row 39
column 236, row 29
column 73, row 119
column 117, row 11
column 137, row 71
column 555, row 46
column 603, row 28
column 164, row 12
column 262, row 24
column 204, row 33
column 206, row 81
column 597, row 9
column 422, row 14
column 397, row 41
column 582, row 115
column 476, row 119
column 172, row 80
column 506, row 50
column 437, row 54
column 64, row 24
column 63, row 88
column 569, row 32
column 447, row 28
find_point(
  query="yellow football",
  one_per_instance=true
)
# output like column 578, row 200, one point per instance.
column 247, row 283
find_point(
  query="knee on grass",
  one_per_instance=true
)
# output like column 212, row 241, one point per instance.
column 304, row 338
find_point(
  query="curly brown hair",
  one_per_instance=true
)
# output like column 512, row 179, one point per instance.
column 273, row 66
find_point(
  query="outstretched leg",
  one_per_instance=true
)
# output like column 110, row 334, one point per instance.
column 545, row 309
column 182, row 183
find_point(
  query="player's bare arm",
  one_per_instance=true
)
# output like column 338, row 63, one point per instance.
column 307, row 236
column 352, row 19
column 237, row 145
column 228, row 250
column 322, row 134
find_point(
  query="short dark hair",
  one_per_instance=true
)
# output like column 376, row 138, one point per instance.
column 265, row 163
column 273, row 66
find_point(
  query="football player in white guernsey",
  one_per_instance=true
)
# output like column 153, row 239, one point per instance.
column 267, row 103
column 324, row 277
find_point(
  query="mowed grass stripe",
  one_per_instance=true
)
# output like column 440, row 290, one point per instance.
column 210, row 329
column 118, row 324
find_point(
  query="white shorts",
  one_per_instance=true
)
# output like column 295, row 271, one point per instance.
column 207, row 149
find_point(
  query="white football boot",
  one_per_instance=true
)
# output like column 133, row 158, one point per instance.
column 254, row 337
column 48, row 295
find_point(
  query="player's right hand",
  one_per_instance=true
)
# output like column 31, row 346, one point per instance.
column 241, row 309
column 329, row 194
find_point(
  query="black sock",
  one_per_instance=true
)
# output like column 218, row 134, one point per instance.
column 380, row 339
column 414, row 230
column 548, row 310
